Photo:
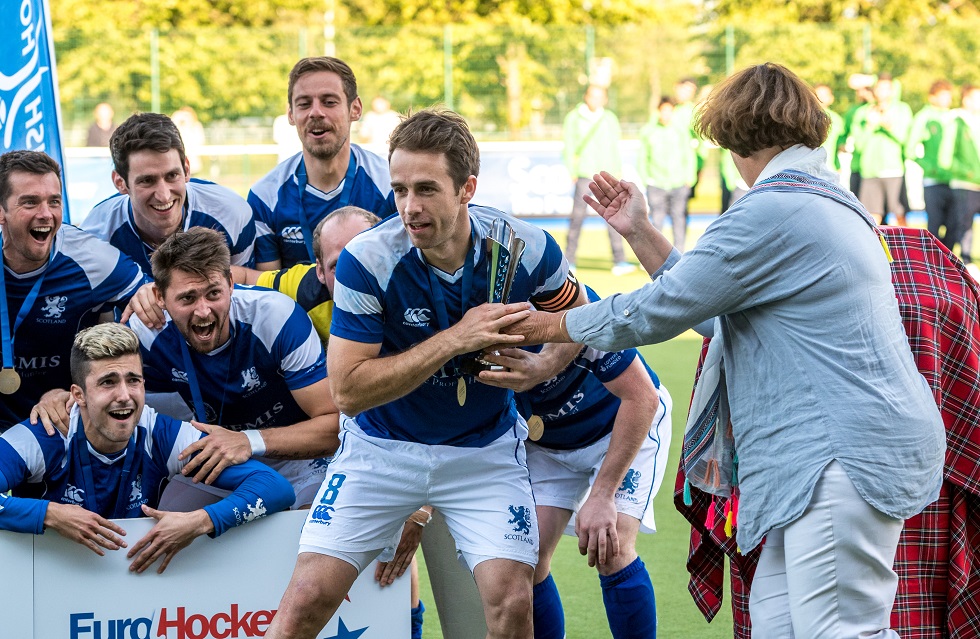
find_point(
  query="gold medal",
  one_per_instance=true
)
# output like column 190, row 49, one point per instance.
column 535, row 428
column 9, row 380
column 461, row 390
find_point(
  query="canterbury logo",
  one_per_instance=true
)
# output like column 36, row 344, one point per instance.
column 417, row 316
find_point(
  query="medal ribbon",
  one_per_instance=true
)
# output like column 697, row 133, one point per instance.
column 302, row 179
column 438, row 296
column 6, row 335
column 196, row 388
column 122, row 494
column 192, row 382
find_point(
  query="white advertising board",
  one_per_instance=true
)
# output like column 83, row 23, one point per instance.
column 224, row 588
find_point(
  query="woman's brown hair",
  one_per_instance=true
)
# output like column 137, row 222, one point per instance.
column 762, row 107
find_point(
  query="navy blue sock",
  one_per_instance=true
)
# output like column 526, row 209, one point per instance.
column 549, row 616
column 417, row 620
column 630, row 605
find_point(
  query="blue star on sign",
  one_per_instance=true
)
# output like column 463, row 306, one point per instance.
column 344, row 633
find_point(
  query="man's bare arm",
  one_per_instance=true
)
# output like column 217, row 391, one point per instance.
column 360, row 380
column 245, row 275
column 530, row 369
column 596, row 519
column 308, row 439
column 273, row 265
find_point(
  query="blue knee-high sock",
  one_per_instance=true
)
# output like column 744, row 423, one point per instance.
column 417, row 621
column 630, row 605
column 549, row 616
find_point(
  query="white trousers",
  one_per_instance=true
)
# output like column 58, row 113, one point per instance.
column 829, row 573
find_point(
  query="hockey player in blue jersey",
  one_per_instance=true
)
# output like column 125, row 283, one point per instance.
column 54, row 281
column 114, row 461
column 419, row 426
column 157, row 198
column 601, row 431
column 328, row 174
column 247, row 362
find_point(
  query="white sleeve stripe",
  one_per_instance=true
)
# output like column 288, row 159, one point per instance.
column 267, row 312
column 554, row 282
column 187, row 436
column 261, row 229
column 131, row 288
column 23, row 441
column 306, row 355
column 351, row 301
column 240, row 259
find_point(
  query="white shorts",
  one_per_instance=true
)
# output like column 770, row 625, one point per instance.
column 372, row 485
column 305, row 475
column 562, row 478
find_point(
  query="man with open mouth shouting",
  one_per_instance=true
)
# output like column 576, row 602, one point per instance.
column 54, row 281
column 113, row 461
column 246, row 361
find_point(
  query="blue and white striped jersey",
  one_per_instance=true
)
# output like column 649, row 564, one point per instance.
column 84, row 277
column 575, row 406
column 382, row 296
column 245, row 384
column 42, row 468
column 208, row 204
column 275, row 199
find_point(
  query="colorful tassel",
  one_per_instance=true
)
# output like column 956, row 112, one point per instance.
column 709, row 522
column 884, row 245
column 687, row 493
column 728, row 518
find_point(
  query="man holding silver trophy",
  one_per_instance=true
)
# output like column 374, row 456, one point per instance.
column 428, row 415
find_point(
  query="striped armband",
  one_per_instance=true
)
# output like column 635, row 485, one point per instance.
column 565, row 296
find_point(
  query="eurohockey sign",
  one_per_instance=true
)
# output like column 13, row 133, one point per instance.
column 224, row 588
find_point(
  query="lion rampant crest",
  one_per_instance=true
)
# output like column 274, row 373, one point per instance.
column 631, row 482
column 54, row 305
column 521, row 519
column 250, row 379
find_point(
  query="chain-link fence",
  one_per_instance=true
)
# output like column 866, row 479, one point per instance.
column 509, row 83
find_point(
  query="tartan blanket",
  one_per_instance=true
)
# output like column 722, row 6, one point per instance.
column 938, row 557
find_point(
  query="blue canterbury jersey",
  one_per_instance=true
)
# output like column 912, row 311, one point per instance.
column 275, row 199
column 246, row 383
column 208, row 204
column 382, row 296
column 44, row 468
column 85, row 277
column 575, row 406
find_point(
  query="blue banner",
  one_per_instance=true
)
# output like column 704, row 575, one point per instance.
column 30, row 116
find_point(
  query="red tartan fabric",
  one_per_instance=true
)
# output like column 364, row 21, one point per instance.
column 937, row 559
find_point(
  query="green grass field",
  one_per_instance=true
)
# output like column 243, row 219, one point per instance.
column 664, row 553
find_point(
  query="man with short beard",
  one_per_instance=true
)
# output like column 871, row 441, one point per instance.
column 328, row 174
column 113, row 462
column 54, row 281
column 246, row 360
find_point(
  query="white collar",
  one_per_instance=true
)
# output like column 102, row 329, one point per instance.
column 800, row 158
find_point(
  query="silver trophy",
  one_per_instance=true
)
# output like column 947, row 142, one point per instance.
column 504, row 249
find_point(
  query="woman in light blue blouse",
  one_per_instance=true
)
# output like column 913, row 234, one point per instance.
column 838, row 436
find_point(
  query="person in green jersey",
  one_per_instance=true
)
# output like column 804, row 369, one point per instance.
column 925, row 137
